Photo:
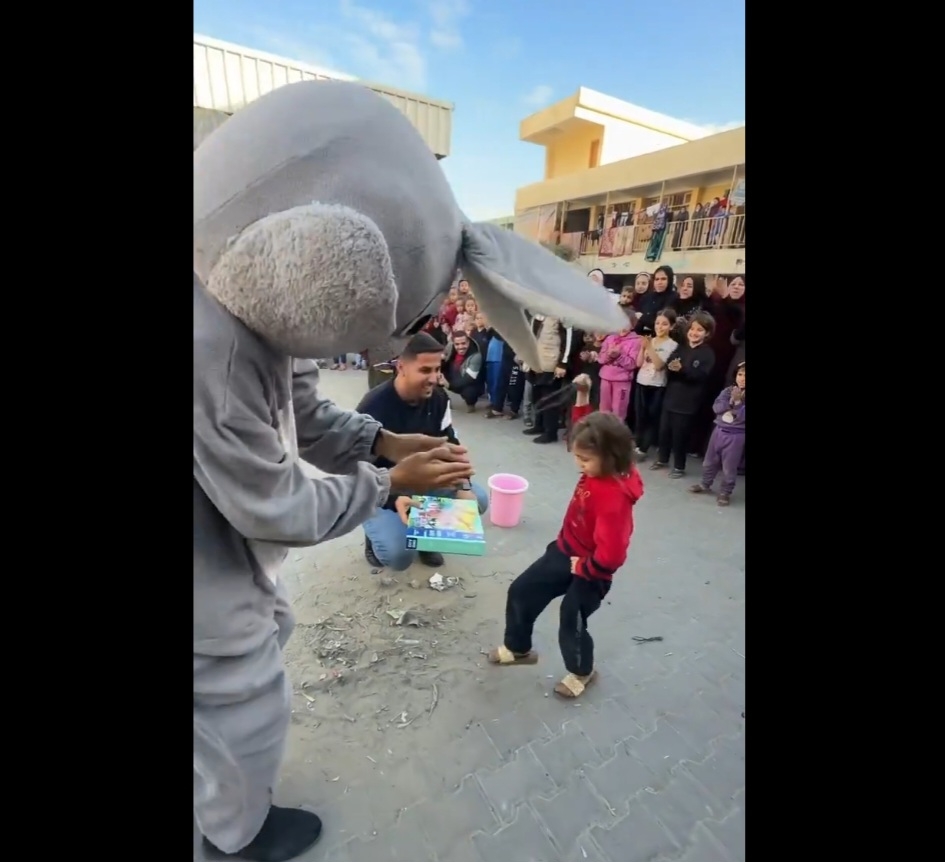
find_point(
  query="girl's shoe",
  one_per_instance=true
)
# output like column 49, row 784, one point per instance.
column 699, row 489
column 723, row 500
column 676, row 474
column 573, row 686
column 658, row 465
column 504, row 656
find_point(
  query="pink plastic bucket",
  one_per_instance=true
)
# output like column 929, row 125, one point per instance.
column 506, row 499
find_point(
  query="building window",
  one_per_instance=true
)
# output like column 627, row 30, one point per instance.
column 594, row 157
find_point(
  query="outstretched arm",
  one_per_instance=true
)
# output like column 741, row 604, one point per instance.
column 241, row 465
column 332, row 439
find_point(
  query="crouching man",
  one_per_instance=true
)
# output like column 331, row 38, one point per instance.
column 411, row 403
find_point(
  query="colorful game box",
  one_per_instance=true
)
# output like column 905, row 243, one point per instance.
column 447, row 526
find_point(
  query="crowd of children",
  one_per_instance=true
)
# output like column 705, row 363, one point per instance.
column 666, row 374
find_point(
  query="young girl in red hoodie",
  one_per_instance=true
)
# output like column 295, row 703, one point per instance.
column 580, row 564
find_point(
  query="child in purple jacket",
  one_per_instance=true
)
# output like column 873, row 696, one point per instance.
column 618, row 357
column 727, row 442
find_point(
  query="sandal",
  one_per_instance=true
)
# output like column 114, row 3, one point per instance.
column 723, row 500
column 493, row 414
column 502, row 655
column 699, row 489
column 573, row 686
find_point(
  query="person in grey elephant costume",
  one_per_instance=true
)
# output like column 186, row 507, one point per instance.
column 322, row 223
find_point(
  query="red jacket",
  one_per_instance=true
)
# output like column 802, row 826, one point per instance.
column 599, row 522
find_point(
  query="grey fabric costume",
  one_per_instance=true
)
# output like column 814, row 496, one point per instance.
column 321, row 223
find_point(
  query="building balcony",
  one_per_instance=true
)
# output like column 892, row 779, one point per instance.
column 702, row 245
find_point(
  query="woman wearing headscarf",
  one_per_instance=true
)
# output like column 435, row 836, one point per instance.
column 726, row 304
column 660, row 293
column 690, row 297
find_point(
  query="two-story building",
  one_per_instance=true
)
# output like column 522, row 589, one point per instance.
column 628, row 189
column 227, row 77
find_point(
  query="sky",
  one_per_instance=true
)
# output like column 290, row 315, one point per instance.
column 498, row 62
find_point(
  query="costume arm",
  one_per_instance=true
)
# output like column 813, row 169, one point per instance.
column 242, row 467
column 332, row 439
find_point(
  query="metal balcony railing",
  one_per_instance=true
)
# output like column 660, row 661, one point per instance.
column 699, row 234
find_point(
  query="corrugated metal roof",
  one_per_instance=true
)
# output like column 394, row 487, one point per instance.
column 227, row 77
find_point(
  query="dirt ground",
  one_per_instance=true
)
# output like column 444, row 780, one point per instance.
column 380, row 662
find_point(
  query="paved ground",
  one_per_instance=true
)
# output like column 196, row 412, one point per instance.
column 649, row 765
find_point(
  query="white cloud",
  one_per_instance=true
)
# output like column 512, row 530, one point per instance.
column 446, row 15
column 383, row 50
column 539, row 96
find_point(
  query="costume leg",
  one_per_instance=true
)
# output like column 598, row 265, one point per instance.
column 388, row 537
column 241, row 716
column 530, row 593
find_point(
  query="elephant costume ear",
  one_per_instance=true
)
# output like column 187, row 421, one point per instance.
column 313, row 280
column 511, row 274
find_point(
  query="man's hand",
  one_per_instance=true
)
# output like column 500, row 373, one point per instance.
column 402, row 505
column 396, row 447
column 465, row 495
column 428, row 471
column 574, row 564
column 560, row 372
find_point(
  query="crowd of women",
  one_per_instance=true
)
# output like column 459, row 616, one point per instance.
column 683, row 345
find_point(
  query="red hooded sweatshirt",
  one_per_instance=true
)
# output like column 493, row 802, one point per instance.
column 599, row 522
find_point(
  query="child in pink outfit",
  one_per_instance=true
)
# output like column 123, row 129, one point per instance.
column 618, row 357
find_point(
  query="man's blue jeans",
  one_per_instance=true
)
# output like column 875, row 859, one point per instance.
column 388, row 535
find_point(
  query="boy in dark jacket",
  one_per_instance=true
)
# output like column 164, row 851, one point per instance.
column 689, row 369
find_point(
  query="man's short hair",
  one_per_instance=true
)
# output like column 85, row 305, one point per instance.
column 460, row 333
column 421, row 343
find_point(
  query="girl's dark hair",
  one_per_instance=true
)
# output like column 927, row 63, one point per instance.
column 668, row 313
column 705, row 320
column 698, row 285
column 606, row 436
column 670, row 276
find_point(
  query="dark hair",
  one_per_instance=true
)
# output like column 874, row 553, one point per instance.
column 670, row 277
column 460, row 333
column 705, row 320
column 668, row 313
column 606, row 436
column 420, row 343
